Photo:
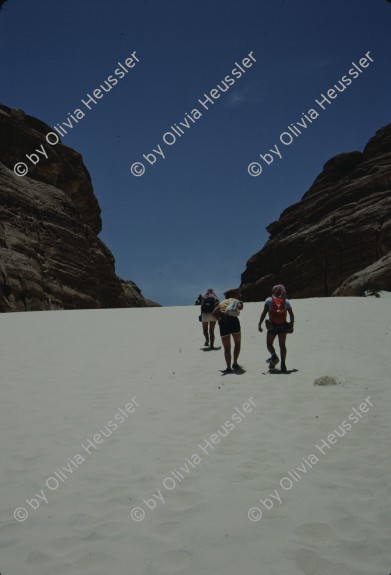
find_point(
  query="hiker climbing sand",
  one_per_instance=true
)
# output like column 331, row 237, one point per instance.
column 277, row 306
column 227, row 313
column 208, row 303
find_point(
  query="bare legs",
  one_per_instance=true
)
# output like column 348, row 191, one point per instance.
column 237, row 339
column 212, row 325
column 226, row 340
column 205, row 325
column 208, row 329
column 281, row 341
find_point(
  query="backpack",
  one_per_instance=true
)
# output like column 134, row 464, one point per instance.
column 232, row 308
column 277, row 312
column 208, row 304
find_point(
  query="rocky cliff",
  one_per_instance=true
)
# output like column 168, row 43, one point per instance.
column 337, row 239
column 50, row 253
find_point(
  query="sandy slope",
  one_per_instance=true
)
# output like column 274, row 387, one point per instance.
column 65, row 375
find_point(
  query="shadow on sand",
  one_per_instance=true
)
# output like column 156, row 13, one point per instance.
column 210, row 348
column 278, row 372
column 240, row 371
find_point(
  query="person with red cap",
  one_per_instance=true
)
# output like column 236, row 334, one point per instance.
column 277, row 306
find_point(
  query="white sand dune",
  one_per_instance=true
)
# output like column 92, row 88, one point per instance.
column 66, row 375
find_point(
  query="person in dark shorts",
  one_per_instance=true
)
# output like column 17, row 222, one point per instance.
column 277, row 306
column 227, row 313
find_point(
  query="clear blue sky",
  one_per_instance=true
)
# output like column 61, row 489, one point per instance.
column 194, row 218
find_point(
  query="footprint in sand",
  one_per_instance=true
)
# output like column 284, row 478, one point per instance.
column 64, row 544
column 36, row 557
column 171, row 561
column 183, row 500
column 308, row 561
column 314, row 532
column 167, row 528
column 244, row 472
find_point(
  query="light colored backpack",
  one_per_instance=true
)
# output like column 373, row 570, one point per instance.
column 232, row 308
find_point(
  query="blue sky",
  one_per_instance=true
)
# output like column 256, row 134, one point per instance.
column 194, row 218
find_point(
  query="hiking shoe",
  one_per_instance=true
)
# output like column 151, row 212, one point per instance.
column 272, row 361
column 236, row 366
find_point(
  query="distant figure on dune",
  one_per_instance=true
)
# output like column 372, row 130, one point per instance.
column 227, row 314
column 277, row 306
column 208, row 303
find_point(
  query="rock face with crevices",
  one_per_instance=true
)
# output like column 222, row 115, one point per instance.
column 50, row 253
column 337, row 239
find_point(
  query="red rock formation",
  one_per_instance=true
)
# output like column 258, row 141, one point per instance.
column 50, row 255
column 337, row 239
